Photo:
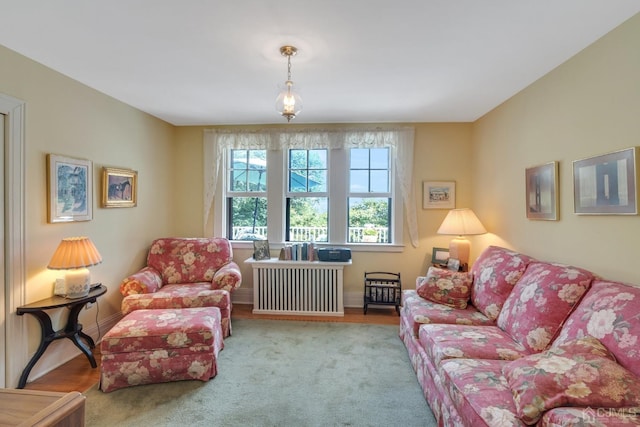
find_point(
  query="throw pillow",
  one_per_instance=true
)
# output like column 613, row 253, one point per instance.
column 446, row 287
column 582, row 373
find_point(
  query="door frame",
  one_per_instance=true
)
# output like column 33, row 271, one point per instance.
column 14, row 241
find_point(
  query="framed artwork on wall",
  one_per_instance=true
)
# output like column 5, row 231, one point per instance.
column 119, row 188
column 542, row 191
column 438, row 195
column 69, row 189
column 606, row 184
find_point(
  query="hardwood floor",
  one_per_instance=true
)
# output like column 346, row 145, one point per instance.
column 77, row 374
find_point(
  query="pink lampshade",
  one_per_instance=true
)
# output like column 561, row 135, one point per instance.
column 74, row 252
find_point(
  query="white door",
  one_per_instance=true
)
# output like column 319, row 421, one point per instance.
column 3, row 323
column 12, row 249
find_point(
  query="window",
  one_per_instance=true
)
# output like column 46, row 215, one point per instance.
column 335, row 186
column 366, row 186
column 307, row 198
column 370, row 196
column 247, row 195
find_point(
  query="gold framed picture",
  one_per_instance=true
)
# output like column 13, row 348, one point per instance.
column 119, row 188
column 542, row 191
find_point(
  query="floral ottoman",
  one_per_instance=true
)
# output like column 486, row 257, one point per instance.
column 154, row 346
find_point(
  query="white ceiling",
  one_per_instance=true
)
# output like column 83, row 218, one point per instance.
column 193, row 62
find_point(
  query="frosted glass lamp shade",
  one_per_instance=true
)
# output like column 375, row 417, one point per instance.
column 461, row 222
column 75, row 254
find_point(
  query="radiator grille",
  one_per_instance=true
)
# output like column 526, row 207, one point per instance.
column 312, row 289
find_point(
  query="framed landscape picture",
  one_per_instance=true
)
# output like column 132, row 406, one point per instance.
column 438, row 194
column 119, row 188
column 69, row 189
column 542, row 191
column 606, row 184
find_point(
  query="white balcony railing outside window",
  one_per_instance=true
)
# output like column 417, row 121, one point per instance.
column 315, row 234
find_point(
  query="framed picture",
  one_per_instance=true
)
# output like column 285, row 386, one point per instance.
column 261, row 250
column 606, row 184
column 440, row 256
column 438, row 195
column 453, row 264
column 119, row 188
column 69, row 189
column 542, row 191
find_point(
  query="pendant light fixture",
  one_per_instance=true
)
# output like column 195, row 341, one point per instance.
column 288, row 102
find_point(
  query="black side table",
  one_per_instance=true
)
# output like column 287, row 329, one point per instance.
column 72, row 330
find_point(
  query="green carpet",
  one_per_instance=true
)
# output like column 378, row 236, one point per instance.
column 283, row 373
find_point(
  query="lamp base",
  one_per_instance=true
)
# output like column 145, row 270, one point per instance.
column 460, row 248
column 77, row 283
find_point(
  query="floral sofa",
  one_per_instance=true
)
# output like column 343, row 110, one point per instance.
column 185, row 273
column 519, row 342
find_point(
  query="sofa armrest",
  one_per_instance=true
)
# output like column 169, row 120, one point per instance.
column 145, row 281
column 228, row 277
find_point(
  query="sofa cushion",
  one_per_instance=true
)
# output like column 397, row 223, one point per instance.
column 578, row 373
column 480, row 392
column 571, row 417
column 442, row 342
column 495, row 273
column 180, row 296
column 148, row 330
column 446, row 287
column 541, row 301
column 418, row 311
column 188, row 260
column 609, row 312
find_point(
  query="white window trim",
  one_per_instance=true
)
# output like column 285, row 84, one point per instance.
column 217, row 142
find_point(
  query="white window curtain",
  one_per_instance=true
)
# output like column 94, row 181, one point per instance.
column 216, row 142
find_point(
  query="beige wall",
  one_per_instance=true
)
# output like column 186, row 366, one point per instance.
column 67, row 118
column 588, row 106
column 441, row 154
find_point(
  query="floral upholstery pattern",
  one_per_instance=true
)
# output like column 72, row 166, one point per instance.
column 446, row 287
column 442, row 342
column 180, row 296
column 190, row 260
column 611, row 313
column 571, row 417
column 465, row 391
column 145, row 281
column 419, row 311
column 495, row 273
column 185, row 272
column 578, row 373
column 541, row 301
column 151, row 346
column 480, row 392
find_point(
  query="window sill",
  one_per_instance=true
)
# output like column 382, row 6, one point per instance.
column 355, row 247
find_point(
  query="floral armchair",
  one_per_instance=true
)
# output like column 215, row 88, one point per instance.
column 185, row 273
